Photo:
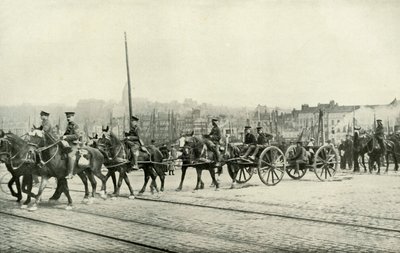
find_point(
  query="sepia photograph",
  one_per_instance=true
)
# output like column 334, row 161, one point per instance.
column 199, row 126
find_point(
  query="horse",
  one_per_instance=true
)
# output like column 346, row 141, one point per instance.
column 193, row 148
column 375, row 153
column 13, row 151
column 52, row 163
column 151, row 164
column 360, row 149
column 232, row 151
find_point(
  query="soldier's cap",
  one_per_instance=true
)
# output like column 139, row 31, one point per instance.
column 105, row 129
column 247, row 127
column 312, row 139
column 214, row 120
column 259, row 127
column 378, row 120
column 153, row 141
column 69, row 113
column 299, row 142
column 43, row 113
column 135, row 118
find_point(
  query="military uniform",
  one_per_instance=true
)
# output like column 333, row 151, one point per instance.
column 46, row 126
column 300, row 157
column 380, row 135
column 133, row 142
column 262, row 142
column 71, row 135
column 250, row 142
column 212, row 141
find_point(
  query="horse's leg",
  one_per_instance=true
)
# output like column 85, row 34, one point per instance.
column 93, row 182
column 146, row 180
column 378, row 163
column 57, row 193
column 111, row 173
column 14, row 179
column 65, row 188
column 27, row 188
column 121, row 172
column 396, row 164
column 43, row 184
column 153, row 184
column 99, row 175
column 198, row 170
column 83, row 177
column 212, row 174
column 183, row 170
column 128, row 183
column 387, row 162
column 162, row 179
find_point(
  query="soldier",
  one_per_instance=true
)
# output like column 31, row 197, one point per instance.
column 262, row 141
column 45, row 126
column 134, row 142
column 71, row 136
column 348, row 152
column 300, row 156
column 212, row 141
column 380, row 135
column 342, row 153
column 249, row 141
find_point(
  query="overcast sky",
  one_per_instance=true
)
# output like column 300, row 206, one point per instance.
column 279, row 53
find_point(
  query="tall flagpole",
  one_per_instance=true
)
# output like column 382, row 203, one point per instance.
column 129, row 79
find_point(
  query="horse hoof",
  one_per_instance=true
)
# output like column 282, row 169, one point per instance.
column 52, row 201
column 114, row 198
column 24, row 206
column 68, row 208
column 131, row 197
column 85, row 200
column 32, row 208
column 140, row 193
column 178, row 189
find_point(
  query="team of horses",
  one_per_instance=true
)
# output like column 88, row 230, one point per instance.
column 49, row 161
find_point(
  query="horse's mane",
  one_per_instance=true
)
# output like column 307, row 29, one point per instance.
column 15, row 139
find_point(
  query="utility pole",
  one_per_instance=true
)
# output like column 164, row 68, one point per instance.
column 128, row 78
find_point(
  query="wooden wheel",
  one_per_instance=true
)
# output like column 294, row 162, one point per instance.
column 244, row 174
column 271, row 166
column 326, row 162
column 291, row 169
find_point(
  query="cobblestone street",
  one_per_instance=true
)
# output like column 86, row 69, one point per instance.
column 354, row 213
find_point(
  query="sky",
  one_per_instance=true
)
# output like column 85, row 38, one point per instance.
column 234, row 53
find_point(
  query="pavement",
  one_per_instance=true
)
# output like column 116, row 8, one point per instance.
column 353, row 213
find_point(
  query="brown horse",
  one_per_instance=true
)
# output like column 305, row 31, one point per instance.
column 369, row 143
column 52, row 163
column 192, row 151
column 151, row 163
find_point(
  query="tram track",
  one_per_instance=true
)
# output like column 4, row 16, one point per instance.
column 88, row 232
column 269, row 214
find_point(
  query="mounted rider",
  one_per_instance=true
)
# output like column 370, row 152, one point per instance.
column 134, row 142
column 212, row 141
column 69, row 140
column 380, row 135
column 262, row 142
column 46, row 127
column 250, row 141
column 106, row 135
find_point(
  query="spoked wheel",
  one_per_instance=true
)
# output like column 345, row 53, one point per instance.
column 326, row 162
column 291, row 169
column 272, row 165
column 4, row 179
column 244, row 174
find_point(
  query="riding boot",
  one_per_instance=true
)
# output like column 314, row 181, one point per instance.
column 253, row 157
column 217, row 156
column 70, row 166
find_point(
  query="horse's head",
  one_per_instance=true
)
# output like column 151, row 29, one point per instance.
column 36, row 139
column 5, row 149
